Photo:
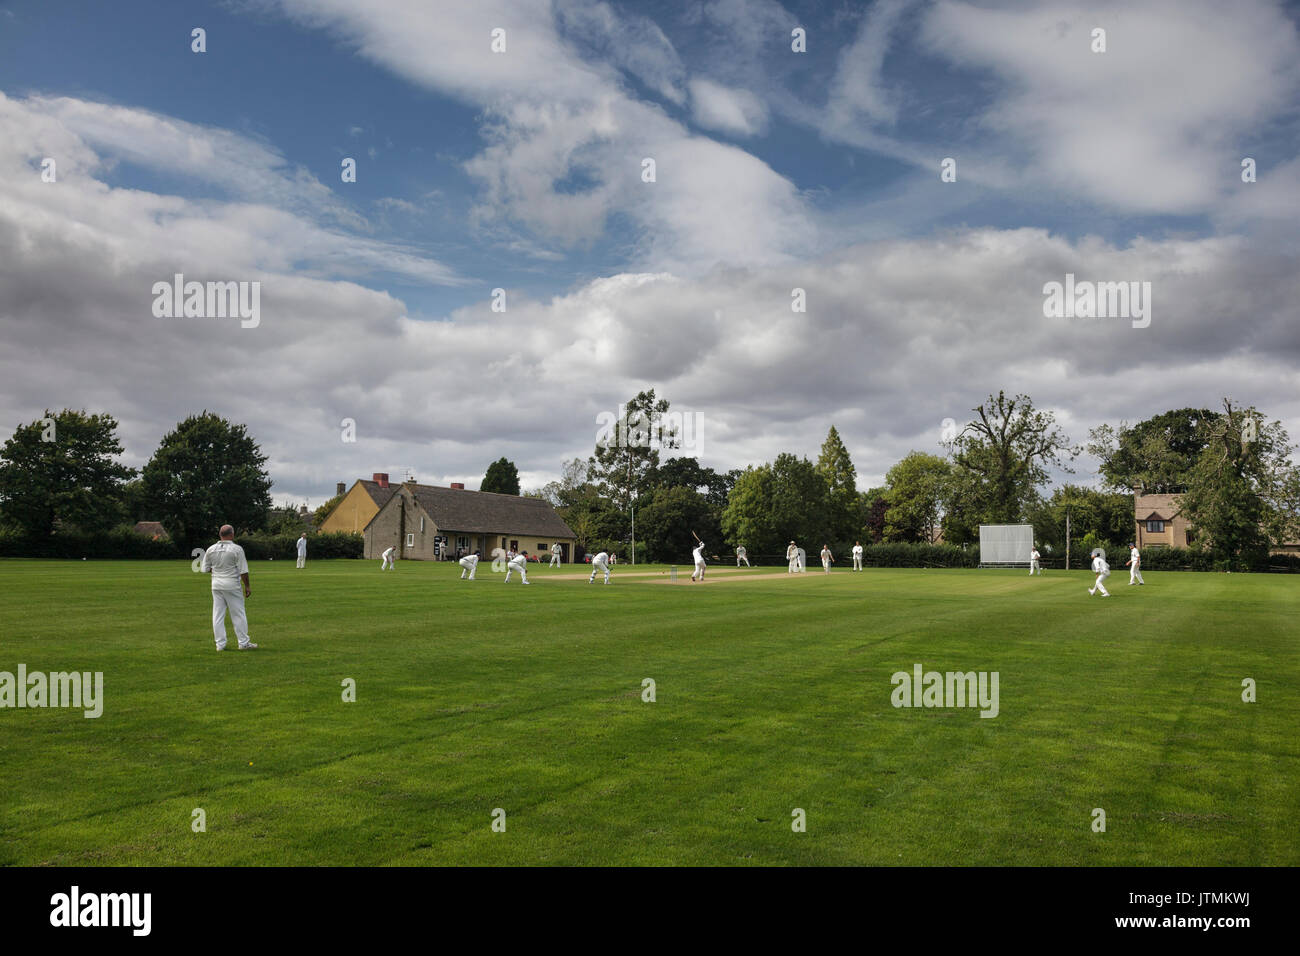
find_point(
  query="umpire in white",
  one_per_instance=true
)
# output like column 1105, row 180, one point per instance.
column 226, row 563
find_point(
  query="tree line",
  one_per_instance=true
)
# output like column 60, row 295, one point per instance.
column 1232, row 469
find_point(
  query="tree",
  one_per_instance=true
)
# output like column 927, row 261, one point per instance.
column 207, row 472
column 836, row 467
column 800, row 502
column 1108, row 516
column 1241, row 493
column 916, row 489
column 747, row 518
column 665, row 524
column 502, row 477
column 285, row 519
column 1156, row 455
column 873, row 505
column 627, row 450
column 59, row 472
column 1001, row 458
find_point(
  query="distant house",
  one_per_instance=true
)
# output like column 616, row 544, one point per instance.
column 431, row 523
column 153, row 530
column 1159, row 523
column 359, row 506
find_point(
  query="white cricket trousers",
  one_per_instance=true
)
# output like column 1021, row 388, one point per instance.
column 1033, row 566
column 387, row 564
column 510, row 567
column 826, row 563
column 1135, row 575
column 1099, row 585
column 597, row 566
column 857, row 562
column 794, row 565
column 232, row 601
column 302, row 560
column 743, row 558
column 555, row 560
column 470, row 568
column 699, row 569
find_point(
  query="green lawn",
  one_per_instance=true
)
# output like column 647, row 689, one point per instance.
column 773, row 693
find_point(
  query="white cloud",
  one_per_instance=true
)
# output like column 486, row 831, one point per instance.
column 733, row 111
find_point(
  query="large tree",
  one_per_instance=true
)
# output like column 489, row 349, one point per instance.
column 836, row 467
column 60, row 472
column 502, row 478
column 207, row 472
column 627, row 449
column 1242, row 492
column 1156, row 455
column 1001, row 459
column 800, row 502
column 916, row 489
column 666, row 521
column 747, row 519
column 1108, row 516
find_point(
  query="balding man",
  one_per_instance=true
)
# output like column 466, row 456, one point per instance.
column 226, row 563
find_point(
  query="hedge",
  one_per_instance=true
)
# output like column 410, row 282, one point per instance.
column 123, row 542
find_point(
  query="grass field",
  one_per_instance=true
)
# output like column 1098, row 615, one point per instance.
column 773, row 693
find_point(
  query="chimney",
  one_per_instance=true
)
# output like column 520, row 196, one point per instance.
column 459, row 485
column 380, row 478
column 340, row 488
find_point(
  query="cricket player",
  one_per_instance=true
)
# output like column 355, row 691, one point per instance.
column 1134, row 565
column 518, row 563
column 792, row 555
column 555, row 556
column 742, row 555
column 599, row 563
column 698, row 555
column 1102, row 570
column 388, row 559
column 226, row 563
column 857, row 555
column 302, row 550
column 827, row 558
column 469, row 563
column 1033, row 561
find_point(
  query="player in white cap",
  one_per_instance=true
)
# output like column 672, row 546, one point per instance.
column 1134, row 565
column 1102, row 570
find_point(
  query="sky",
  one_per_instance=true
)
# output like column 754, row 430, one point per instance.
column 503, row 145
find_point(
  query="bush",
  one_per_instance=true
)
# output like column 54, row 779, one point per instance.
column 122, row 542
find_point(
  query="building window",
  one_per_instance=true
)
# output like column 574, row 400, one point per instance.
column 410, row 539
column 462, row 543
column 1155, row 527
column 541, row 547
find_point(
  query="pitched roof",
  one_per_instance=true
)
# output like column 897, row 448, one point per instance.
column 1155, row 516
column 377, row 494
column 482, row 512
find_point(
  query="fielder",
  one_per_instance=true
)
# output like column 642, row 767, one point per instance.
column 518, row 563
column 1102, row 570
column 388, row 559
column 599, row 563
column 827, row 558
column 857, row 555
column 1033, row 562
column 226, row 563
column 302, row 550
column 469, row 564
column 792, row 555
column 1134, row 565
column 555, row 556
column 698, row 555
column 742, row 555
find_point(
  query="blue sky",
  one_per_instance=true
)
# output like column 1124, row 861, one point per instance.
column 521, row 171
